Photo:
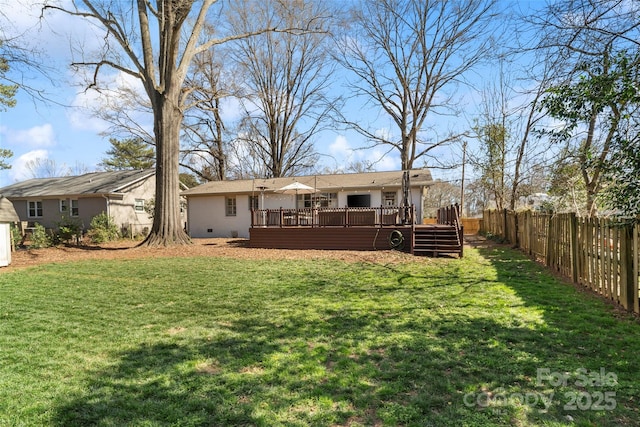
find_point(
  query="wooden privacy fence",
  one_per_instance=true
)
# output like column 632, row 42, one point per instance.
column 601, row 254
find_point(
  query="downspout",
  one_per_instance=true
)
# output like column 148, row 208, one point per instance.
column 106, row 198
column 108, row 205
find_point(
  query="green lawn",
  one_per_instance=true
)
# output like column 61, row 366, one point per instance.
column 491, row 339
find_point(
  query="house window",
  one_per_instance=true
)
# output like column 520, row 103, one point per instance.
column 139, row 205
column 253, row 203
column 230, row 206
column 389, row 198
column 64, row 207
column 318, row 200
column 34, row 209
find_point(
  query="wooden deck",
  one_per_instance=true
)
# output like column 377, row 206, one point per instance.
column 361, row 238
column 364, row 229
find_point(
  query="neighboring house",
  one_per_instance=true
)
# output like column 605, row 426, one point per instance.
column 223, row 208
column 121, row 194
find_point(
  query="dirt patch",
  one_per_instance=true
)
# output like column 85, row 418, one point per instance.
column 228, row 248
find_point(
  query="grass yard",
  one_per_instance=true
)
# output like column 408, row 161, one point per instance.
column 489, row 340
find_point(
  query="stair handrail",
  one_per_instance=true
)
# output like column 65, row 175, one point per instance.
column 450, row 215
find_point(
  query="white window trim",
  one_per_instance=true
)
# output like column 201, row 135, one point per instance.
column 227, row 206
column 75, row 208
column 256, row 203
column 395, row 198
column 36, row 202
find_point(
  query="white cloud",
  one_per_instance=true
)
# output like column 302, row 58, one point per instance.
column 384, row 133
column 35, row 137
column 51, row 31
column 383, row 161
column 120, row 92
column 344, row 154
column 231, row 109
column 82, row 115
column 341, row 149
column 19, row 170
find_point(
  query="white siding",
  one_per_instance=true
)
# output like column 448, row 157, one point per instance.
column 207, row 217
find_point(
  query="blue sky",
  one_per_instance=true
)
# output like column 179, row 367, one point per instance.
column 70, row 135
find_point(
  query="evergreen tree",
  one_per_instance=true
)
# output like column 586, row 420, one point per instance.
column 131, row 153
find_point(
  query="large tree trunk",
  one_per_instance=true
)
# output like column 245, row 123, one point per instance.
column 167, row 226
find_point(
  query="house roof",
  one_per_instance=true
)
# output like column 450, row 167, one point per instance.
column 7, row 211
column 337, row 182
column 95, row 183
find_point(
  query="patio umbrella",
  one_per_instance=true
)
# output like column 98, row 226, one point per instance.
column 296, row 188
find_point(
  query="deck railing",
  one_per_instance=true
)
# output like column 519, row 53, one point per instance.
column 334, row 217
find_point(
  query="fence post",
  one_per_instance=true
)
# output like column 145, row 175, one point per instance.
column 548, row 256
column 626, row 269
column 636, row 267
column 505, row 235
column 573, row 241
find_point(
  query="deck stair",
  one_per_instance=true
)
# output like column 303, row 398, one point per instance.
column 436, row 239
column 445, row 237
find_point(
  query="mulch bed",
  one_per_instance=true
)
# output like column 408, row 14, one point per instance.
column 229, row 248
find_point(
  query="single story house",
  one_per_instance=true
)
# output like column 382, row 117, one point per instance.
column 121, row 194
column 224, row 208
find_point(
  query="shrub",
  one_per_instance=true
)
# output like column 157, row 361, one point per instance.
column 103, row 229
column 40, row 238
column 68, row 229
column 16, row 236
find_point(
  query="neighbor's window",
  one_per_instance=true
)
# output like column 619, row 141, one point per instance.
column 230, row 206
column 75, row 211
column 253, row 203
column 64, row 205
column 34, row 209
column 139, row 205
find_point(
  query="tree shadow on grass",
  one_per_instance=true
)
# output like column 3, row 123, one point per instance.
column 334, row 366
column 310, row 374
column 442, row 354
column 582, row 334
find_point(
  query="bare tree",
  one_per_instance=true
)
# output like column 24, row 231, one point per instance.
column 594, row 45
column 205, row 136
column 286, row 77
column 156, row 43
column 573, row 30
column 505, row 128
column 26, row 60
column 407, row 58
column 46, row 168
column 441, row 193
column 128, row 112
